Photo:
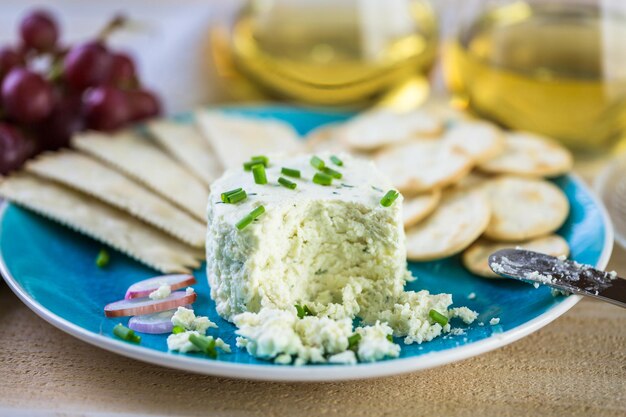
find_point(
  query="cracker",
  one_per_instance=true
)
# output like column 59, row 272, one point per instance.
column 531, row 155
column 375, row 129
column 325, row 138
column 459, row 220
column 89, row 176
column 524, row 208
column 476, row 257
column 415, row 209
column 423, row 166
column 136, row 157
column 236, row 138
column 479, row 140
column 185, row 143
column 102, row 222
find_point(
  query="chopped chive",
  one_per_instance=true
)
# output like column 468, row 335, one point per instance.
column 390, row 338
column 353, row 341
column 335, row 160
column 438, row 317
column 258, row 171
column 249, row 218
column 286, row 183
column 178, row 329
column 235, row 197
column 228, row 193
column 261, row 158
column 303, row 311
column 389, row 198
column 125, row 333
column 322, row 179
column 102, row 259
column 205, row 344
column 332, row 173
column 290, row 172
column 317, row 162
column 256, row 160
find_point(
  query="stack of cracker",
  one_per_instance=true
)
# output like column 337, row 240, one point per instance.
column 144, row 192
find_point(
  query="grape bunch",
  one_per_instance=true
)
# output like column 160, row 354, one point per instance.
column 49, row 91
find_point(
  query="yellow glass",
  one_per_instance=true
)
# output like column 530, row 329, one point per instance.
column 327, row 52
column 556, row 67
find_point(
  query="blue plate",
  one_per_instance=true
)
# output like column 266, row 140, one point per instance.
column 52, row 270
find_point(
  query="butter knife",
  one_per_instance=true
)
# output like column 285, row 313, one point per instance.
column 564, row 275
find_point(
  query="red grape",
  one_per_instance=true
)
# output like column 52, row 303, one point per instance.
column 106, row 108
column 9, row 58
column 39, row 31
column 58, row 128
column 122, row 72
column 87, row 65
column 26, row 96
column 143, row 104
column 14, row 148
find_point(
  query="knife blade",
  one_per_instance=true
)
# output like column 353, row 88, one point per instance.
column 565, row 275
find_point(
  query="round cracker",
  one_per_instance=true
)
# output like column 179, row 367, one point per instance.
column 461, row 217
column 524, row 208
column 531, row 155
column 476, row 257
column 325, row 138
column 415, row 209
column 478, row 139
column 423, row 166
column 378, row 128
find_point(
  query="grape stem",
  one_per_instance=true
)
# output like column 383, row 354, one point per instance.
column 118, row 22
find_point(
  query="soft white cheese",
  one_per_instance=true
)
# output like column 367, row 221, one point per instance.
column 309, row 244
column 160, row 293
column 347, row 358
column 180, row 342
column 468, row 316
column 494, row 321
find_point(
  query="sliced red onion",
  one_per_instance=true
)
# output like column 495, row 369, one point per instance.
column 156, row 323
column 142, row 306
column 145, row 287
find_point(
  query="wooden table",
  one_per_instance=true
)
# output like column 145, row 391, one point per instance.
column 575, row 366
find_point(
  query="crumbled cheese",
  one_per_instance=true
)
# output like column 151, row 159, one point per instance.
column 468, row 316
column 180, row 342
column 494, row 321
column 471, row 296
column 539, row 278
column 612, row 275
column 457, row 331
column 562, row 257
column 162, row 292
column 189, row 290
column 374, row 344
column 186, row 318
column 347, row 358
column 536, row 284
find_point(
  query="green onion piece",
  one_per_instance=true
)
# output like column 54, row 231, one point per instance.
column 317, row 163
column 125, row 333
column 205, row 344
column 234, row 197
column 438, row 317
column 303, row 311
column 261, row 158
column 247, row 166
column 390, row 338
column 290, row 172
column 322, row 179
column 102, row 259
column 332, row 172
column 249, row 218
column 353, row 341
column 389, row 198
column 286, row 183
column 178, row 329
column 258, row 171
column 336, row 161
column 228, row 193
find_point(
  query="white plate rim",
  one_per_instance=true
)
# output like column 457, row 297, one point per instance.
column 314, row 373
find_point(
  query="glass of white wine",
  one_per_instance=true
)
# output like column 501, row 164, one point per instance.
column 555, row 67
column 328, row 52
